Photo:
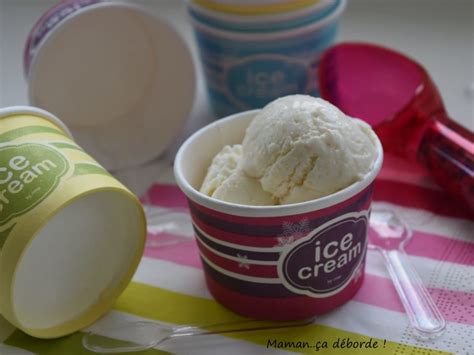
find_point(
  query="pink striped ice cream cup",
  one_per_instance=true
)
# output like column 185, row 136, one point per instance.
column 275, row 262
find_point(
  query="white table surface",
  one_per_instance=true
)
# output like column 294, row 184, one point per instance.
column 437, row 33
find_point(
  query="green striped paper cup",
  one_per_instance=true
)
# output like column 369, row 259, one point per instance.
column 71, row 235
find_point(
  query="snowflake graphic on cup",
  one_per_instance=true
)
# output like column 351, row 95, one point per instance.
column 293, row 231
column 243, row 261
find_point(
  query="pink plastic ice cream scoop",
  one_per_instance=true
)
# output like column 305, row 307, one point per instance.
column 397, row 97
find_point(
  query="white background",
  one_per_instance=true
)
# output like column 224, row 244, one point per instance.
column 437, row 33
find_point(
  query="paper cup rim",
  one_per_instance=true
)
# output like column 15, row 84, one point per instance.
column 111, row 161
column 97, row 309
column 267, row 211
column 253, row 19
column 262, row 9
column 259, row 36
column 35, row 111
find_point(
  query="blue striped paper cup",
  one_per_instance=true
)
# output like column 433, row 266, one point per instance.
column 248, row 70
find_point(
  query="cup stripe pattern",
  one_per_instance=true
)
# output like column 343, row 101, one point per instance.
column 258, row 229
column 26, row 131
column 242, row 253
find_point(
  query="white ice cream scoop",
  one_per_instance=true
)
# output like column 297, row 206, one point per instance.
column 301, row 148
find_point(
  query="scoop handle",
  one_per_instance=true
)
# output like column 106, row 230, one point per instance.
column 422, row 312
column 448, row 153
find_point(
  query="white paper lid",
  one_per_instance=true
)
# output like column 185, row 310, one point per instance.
column 121, row 79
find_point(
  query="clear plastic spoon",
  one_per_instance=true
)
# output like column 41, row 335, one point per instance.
column 388, row 234
column 143, row 335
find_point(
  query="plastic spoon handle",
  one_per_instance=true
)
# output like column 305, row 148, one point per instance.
column 423, row 314
column 238, row 327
